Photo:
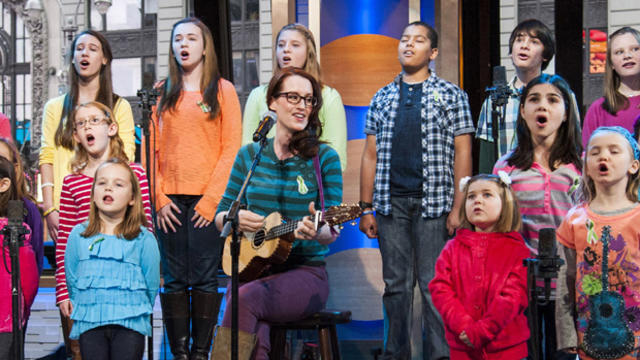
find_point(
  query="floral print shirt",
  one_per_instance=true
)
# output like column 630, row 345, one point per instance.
column 581, row 231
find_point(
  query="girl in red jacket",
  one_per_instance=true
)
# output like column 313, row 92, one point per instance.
column 480, row 286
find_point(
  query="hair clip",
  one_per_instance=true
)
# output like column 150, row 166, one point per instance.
column 504, row 177
column 463, row 183
column 204, row 107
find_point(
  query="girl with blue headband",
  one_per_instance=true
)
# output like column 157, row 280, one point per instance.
column 598, row 307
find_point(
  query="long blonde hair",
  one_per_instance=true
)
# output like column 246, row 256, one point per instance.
column 116, row 145
column 311, row 64
column 614, row 100
column 509, row 219
column 134, row 217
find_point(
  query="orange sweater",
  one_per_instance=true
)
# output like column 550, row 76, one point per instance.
column 194, row 154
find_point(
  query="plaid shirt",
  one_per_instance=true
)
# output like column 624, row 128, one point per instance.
column 507, row 140
column 445, row 115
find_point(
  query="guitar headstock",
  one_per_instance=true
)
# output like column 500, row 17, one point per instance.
column 339, row 214
column 605, row 233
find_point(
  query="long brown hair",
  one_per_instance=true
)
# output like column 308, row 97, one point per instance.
column 172, row 87
column 64, row 134
column 509, row 219
column 116, row 145
column 16, row 159
column 7, row 170
column 311, row 64
column 134, row 217
column 566, row 147
column 614, row 100
column 304, row 142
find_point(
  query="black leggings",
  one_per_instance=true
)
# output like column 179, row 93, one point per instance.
column 190, row 256
column 112, row 342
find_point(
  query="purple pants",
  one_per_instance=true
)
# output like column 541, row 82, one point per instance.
column 287, row 296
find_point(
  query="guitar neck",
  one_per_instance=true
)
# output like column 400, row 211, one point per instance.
column 605, row 258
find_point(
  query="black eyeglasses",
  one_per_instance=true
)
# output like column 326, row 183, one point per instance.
column 91, row 121
column 294, row 98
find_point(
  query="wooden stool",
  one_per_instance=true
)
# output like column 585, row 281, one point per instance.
column 324, row 321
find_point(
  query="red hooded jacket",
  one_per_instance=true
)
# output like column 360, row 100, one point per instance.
column 480, row 287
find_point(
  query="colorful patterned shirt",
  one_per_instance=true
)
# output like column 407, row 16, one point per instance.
column 581, row 231
column 445, row 115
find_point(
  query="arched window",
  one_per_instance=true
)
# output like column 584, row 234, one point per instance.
column 15, row 73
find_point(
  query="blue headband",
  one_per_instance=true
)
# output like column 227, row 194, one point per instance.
column 627, row 135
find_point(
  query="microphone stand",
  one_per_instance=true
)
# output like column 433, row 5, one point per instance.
column 546, row 268
column 13, row 234
column 147, row 101
column 499, row 95
column 231, row 226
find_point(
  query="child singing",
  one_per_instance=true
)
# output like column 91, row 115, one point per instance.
column 112, row 267
column 610, row 185
column 480, row 286
column 96, row 139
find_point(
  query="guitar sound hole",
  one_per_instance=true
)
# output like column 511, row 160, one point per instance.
column 606, row 310
column 258, row 239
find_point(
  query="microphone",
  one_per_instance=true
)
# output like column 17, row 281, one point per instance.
column 268, row 119
column 548, row 260
column 500, row 91
column 15, row 212
column 499, row 76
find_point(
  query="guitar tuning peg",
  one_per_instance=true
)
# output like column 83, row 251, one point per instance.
column 353, row 223
column 341, row 227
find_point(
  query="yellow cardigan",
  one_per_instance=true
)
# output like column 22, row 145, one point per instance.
column 60, row 157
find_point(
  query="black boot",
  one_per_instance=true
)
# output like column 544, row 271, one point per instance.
column 175, row 312
column 204, row 315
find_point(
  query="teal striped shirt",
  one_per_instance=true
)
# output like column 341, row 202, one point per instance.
column 286, row 186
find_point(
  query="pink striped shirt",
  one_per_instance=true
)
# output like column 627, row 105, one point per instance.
column 75, row 203
column 544, row 197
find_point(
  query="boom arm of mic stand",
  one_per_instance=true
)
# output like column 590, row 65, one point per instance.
column 231, row 226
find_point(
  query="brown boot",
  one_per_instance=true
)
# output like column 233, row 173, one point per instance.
column 222, row 344
column 204, row 315
column 175, row 314
column 71, row 346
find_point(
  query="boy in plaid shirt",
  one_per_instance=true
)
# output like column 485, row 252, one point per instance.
column 418, row 147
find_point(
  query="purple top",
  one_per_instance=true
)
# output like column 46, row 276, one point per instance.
column 597, row 116
column 34, row 220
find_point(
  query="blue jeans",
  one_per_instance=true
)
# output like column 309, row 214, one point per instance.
column 111, row 342
column 410, row 245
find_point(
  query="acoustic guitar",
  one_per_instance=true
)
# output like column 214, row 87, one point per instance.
column 608, row 335
column 272, row 244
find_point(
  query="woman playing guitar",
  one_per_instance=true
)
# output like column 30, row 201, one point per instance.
column 284, row 182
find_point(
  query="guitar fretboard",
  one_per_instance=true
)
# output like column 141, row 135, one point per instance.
column 290, row 226
column 605, row 257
